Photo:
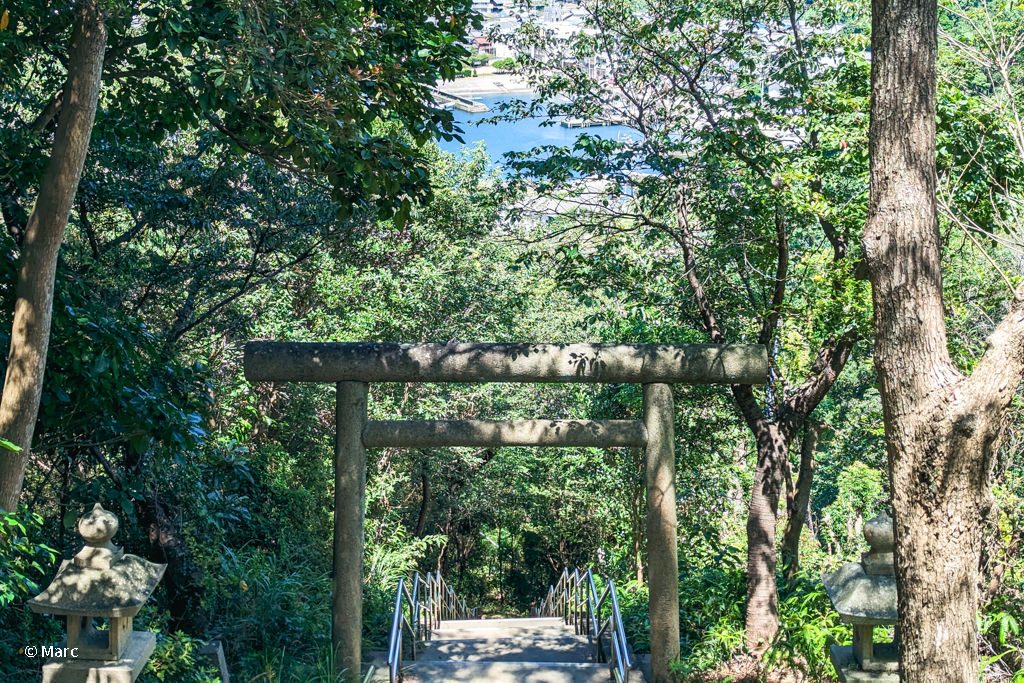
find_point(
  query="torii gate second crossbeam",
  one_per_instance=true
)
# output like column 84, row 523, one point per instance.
column 352, row 366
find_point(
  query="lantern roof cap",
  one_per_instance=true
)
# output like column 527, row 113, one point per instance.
column 101, row 580
column 862, row 598
column 865, row 592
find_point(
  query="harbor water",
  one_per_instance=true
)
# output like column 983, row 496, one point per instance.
column 518, row 136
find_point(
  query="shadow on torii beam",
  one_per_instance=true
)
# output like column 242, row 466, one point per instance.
column 352, row 366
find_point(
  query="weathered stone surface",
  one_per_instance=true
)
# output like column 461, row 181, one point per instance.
column 615, row 363
column 93, row 643
column 482, row 433
column 212, row 654
column 662, row 538
column 848, row 672
column 349, row 509
column 116, row 592
column 123, row 670
column 861, row 598
column 508, row 672
column 96, row 529
column 529, row 648
column 879, row 560
column 878, row 564
column 515, row 650
column 878, row 533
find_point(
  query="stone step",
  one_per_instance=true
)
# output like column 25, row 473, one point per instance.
column 531, row 648
column 498, row 623
column 507, row 672
column 500, row 628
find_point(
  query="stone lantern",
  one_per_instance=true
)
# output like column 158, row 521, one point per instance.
column 101, row 583
column 864, row 594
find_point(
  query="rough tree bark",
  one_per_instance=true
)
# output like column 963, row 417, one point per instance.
column 421, row 521
column 30, row 335
column 772, row 437
column 637, row 512
column 797, row 498
column 942, row 429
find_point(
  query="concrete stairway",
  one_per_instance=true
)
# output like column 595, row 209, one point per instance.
column 529, row 650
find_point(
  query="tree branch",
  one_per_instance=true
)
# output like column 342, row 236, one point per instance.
column 781, row 275
column 83, row 217
column 40, row 122
column 826, row 368
column 797, row 500
column 684, row 236
column 126, row 236
column 995, row 378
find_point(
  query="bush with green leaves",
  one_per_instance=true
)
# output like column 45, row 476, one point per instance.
column 503, row 65
column 859, row 499
column 26, row 565
column 175, row 660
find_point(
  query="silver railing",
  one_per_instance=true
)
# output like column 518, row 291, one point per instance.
column 420, row 614
column 574, row 598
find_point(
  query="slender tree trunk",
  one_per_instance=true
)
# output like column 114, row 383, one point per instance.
column 942, row 429
column 772, row 437
column 796, row 504
column 33, row 308
column 421, row 523
column 762, row 620
column 183, row 580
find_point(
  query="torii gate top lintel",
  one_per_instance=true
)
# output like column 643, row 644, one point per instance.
column 538, row 363
column 353, row 366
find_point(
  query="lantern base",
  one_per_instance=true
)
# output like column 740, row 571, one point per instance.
column 123, row 670
column 848, row 671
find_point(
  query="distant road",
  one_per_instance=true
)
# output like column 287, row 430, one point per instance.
column 486, row 85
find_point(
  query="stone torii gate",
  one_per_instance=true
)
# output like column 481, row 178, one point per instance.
column 353, row 366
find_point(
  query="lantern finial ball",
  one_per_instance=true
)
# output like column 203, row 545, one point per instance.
column 878, row 533
column 97, row 527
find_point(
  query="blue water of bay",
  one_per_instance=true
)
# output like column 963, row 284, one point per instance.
column 518, row 136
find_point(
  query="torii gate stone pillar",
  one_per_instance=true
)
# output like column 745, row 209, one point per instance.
column 353, row 366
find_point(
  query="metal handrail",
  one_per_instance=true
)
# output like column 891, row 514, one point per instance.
column 439, row 603
column 574, row 598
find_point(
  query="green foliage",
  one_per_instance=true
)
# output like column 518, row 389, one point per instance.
column 206, row 218
column 859, row 489
column 26, row 565
column 858, row 500
column 712, row 593
column 711, row 615
column 23, row 563
column 1001, row 633
column 175, row 661
column 809, row 627
column 303, row 85
column 501, row 65
column 265, row 601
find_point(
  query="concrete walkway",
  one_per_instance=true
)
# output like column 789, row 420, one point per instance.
column 529, row 650
column 496, row 84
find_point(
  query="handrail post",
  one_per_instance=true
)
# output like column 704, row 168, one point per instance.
column 424, row 615
column 395, row 641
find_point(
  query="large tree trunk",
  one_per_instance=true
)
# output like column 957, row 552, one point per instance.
column 33, row 308
column 941, row 428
